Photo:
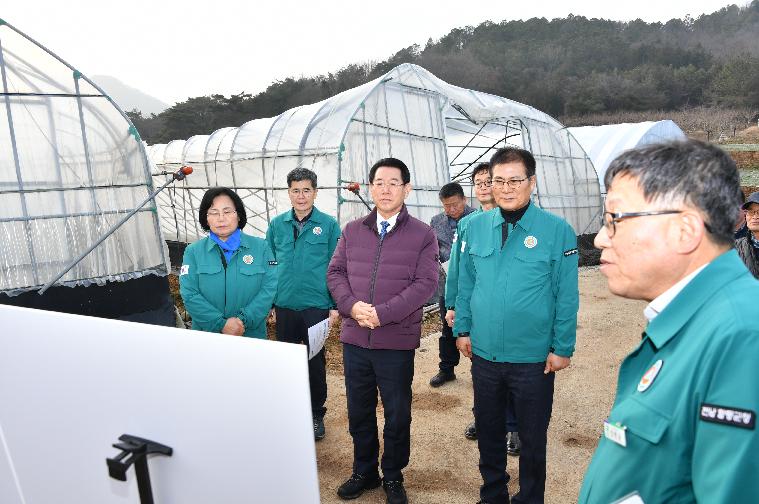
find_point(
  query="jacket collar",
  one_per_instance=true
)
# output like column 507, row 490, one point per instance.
column 525, row 222
column 316, row 215
column 721, row 271
column 245, row 242
column 371, row 219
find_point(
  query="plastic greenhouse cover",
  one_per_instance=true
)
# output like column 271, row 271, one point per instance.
column 606, row 142
column 71, row 165
column 441, row 131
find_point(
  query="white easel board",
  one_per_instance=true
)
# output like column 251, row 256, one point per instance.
column 235, row 410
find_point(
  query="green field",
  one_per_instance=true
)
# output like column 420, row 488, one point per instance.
column 750, row 177
column 740, row 147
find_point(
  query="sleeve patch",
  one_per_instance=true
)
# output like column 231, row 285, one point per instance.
column 184, row 270
column 570, row 252
column 273, row 263
column 734, row 417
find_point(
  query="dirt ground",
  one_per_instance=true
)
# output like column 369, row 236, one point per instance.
column 443, row 467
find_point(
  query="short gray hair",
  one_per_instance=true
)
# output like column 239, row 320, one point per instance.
column 689, row 172
column 298, row 174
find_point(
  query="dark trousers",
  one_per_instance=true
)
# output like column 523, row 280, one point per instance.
column 292, row 327
column 390, row 371
column 449, row 354
column 511, row 416
column 532, row 392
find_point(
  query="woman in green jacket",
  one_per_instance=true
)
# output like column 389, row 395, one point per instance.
column 228, row 279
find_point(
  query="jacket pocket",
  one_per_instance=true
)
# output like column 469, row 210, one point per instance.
column 315, row 239
column 532, row 264
column 209, row 268
column 641, row 420
column 532, row 256
column 480, row 254
column 251, row 269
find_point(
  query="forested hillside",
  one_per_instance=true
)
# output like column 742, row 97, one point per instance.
column 566, row 67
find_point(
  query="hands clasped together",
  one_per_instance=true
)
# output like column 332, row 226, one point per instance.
column 365, row 314
column 234, row 327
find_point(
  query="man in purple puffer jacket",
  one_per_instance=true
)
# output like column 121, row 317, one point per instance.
column 384, row 268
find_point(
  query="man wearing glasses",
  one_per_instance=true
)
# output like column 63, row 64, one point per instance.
column 683, row 424
column 748, row 246
column 303, row 240
column 516, row 318
column 483, row 191
column 384, row 268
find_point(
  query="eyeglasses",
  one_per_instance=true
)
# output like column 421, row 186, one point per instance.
column 512, row 183
column 752, row 213
column 216, row 214
column 482, row 185
column 393, row 184
column 298, row 192
column 609, row 219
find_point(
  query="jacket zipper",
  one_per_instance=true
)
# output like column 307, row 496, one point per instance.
column 224, row 263
column 374, row 280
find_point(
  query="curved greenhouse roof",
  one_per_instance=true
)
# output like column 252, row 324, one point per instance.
column 441, row 131
column 71, row 165
column 604, row 143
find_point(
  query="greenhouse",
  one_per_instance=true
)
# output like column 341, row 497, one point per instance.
column 71, row 166
column 439, row 130
column 604, row 143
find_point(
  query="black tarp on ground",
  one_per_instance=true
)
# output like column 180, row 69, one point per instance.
column 145, row 299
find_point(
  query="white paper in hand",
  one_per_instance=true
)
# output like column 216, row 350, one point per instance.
column 445, row 266
column 317, row 335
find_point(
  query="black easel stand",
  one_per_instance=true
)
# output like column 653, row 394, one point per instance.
column 138, row 450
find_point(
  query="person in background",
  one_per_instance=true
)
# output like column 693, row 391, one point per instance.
column 303, row 240
column 748, row 246
column 683, row 424
column 454, row 209
column 228, row 279
column 741, row 228
column 384, row 268
column 516, row 318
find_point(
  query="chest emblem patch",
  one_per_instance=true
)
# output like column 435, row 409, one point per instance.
column 247, row 259
column 530, row 242
column 317, row 231
column 650, row 376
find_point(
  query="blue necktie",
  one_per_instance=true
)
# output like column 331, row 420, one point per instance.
column 383, row 232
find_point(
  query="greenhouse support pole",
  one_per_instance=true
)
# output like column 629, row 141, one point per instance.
column 16, row 161
column 178, row 175
column 90, row 177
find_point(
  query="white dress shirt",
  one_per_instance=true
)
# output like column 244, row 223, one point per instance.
column 391, row 221
column 657, row 306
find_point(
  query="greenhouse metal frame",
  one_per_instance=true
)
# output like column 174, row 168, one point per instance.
column 441, row 131
column 71, row 165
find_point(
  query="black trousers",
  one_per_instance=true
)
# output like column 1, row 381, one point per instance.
column 449, row 354
column 292, row 327
column 532, row 392
column 391, row 372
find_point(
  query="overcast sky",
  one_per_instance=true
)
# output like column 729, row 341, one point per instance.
column 174, row 50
